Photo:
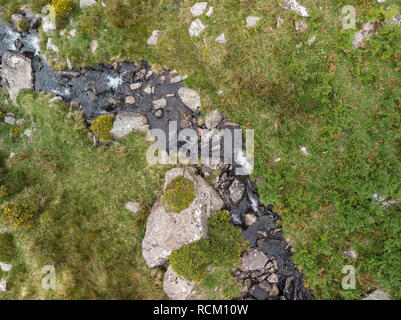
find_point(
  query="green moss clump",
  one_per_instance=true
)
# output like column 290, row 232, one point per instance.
column 7, row 247
column 222, row 250
column 179, row 194
column 102, row 127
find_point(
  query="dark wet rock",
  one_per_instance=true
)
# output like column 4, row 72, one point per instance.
column 289, row 288
column 16, row 73
column 258, row 293
column 265, row 286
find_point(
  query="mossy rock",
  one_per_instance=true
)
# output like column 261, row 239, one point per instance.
column 179, row 194
column 7, row 247
column 101, row 128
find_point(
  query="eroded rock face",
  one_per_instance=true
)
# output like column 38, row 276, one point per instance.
column 367, row 31
column 16, row 73
column 166, row 232
column 177, row 287
column 127, row 122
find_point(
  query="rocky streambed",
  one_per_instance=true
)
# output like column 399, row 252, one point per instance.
column 143, row 100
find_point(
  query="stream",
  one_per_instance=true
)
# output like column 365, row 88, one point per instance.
column 102, row 89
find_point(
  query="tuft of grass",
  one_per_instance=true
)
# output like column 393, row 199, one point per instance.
column 7, row 247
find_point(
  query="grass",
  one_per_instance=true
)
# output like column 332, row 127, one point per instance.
column 83, row 229
column 342, row 105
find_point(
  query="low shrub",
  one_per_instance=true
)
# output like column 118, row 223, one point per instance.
column 62, row 8
column 223, row 248
column 179, row 194
column 7, row 247
column 191, row 261
column 19, row 214
column 101, row 128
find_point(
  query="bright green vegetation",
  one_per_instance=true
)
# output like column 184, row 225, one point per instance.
column 210, row 262
column 342, row 105
column 101, row 128
column 7, row 247
column 81, row 226
column 179, row 194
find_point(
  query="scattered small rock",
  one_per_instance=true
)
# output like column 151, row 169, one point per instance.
column 5, row 267
column 86, row 3
column 136, row 86
column 94, row 45
column 213, row 119
column 152, row 41
column 160, row 104
column 251, row 21
column 196, row 28
column 3, row 285
column 134, row 207
column 9, row 118
column 198, row 8
column 294, row 5
column 221, row 39
column 378, row 295
column 190, row 98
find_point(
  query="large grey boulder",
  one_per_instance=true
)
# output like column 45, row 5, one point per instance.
column 166, row 231
column 16, row 72
column 127, row 122
column 177, row 287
